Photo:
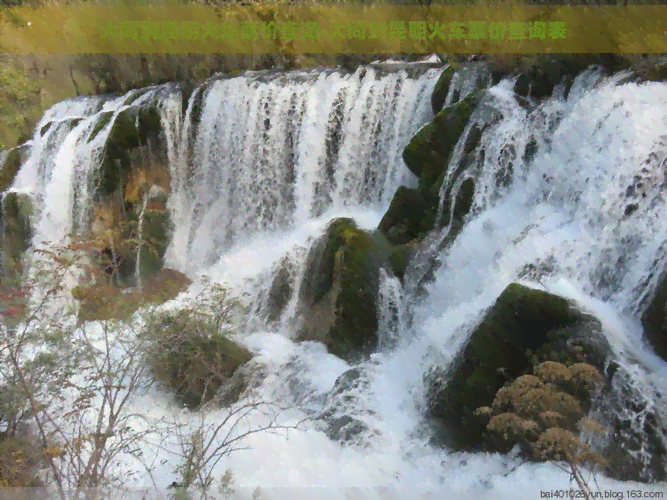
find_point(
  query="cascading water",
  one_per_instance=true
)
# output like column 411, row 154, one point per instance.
column 273, row 151
column 391, row 307
column 261, row 162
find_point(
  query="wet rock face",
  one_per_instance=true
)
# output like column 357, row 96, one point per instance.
column 130, row 206
column 281, row 290
column 427, row 154
column 439, row 96
column 654, row 319
column 634, row 448
column 524, row 324
column 15, row 212
column 343, row 418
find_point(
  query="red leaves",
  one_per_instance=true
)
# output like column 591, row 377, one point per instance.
column 10, row 301
column 11, row 311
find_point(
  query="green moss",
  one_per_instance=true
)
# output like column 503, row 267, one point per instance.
column 410, row 214
column 441, row 89
column 462, row 205
column 399, row 258
column 102, row 302
column 429, row 151
column 102, row 122
column 320, row 262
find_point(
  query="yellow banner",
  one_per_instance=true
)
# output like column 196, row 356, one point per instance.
column 333, row 29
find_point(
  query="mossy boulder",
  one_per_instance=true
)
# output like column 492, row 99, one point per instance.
column 343, row 272
column 102, row 301
column 466, row 78
column 463, row 198
column 427, row 154
column 500, row 349
column 164, row 285
column 190, row 354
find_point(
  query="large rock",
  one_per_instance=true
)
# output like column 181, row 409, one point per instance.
column 339, row 294
column 500, row 348
column 428, row 153
column 461, row 80
column 400, row 257
column 528, row 327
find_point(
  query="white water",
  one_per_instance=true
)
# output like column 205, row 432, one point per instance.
column 251, row 200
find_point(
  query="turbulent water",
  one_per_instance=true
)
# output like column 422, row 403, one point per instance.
column 261, row 162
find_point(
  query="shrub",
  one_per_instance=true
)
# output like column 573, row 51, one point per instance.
column 509, row 429
column 543, row 413
column 585, row 379
column 190, row 351
column 18, row 462
column 101, row 301
column 553, row 372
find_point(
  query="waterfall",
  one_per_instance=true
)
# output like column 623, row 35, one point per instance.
column 272, row 151
column 568, row 197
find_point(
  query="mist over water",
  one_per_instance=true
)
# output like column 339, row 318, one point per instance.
column 260, row 163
